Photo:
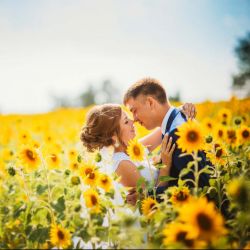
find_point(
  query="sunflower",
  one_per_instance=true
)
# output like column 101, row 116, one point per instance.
column 7, row 154
column 74, row 165
column 178, row 233
column 149, row 206
column 208, row 124
column 238, row 189
column 207, row 223
column 24, row 137
column 217, row 153
column 231, row 137
column 59, row 236
column 191, row 137
column 244, row 134
column 72, row 154
column 89, row 174
column 219, row 132
column 92, row 200
column 136, row 150
column 104, row 181
column 29, row 158
column 225, row 116
column 53, row 161
column 179, row 195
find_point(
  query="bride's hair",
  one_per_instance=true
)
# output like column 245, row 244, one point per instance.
column 102, row 122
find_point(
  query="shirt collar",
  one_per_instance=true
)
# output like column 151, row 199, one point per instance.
column 165, row 120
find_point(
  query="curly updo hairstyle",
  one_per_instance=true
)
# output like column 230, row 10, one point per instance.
column 103, row 121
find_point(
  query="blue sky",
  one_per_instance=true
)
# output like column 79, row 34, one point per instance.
column 57, row 47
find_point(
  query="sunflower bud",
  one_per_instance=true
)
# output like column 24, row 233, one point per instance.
column 209, row 139
column 98, row 157
column 77, row 208
column 11, row 171
column 67, row 172
column 237, row 121
column 75, row 180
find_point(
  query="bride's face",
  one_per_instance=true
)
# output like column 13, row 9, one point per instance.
column 127, row 128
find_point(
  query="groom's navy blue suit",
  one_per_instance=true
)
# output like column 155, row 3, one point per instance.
column 178, row 163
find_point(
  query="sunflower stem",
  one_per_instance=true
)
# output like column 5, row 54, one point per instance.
column 196, row 173
column 47, row 179
column 152, row 176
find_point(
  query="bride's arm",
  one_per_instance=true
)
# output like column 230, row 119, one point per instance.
column 128, row 172
column 153, row 139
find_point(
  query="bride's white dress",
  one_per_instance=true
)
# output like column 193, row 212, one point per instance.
column 109, row 163
column 146, row 171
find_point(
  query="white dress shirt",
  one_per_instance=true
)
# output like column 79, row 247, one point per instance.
column 176, row 122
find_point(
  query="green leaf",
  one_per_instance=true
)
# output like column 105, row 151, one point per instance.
column 141, row 167
column 40, row 189
column 19, row 210
column 205, row 170
column 167, row 178
column 184, row 171
column 59, row 206
column 79, row 158
column 39, row 234
column 140, row 181
column 212, row 182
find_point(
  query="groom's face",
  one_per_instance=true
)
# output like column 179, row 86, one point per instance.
column 142, row 111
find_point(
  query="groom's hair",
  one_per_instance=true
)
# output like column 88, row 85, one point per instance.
column 147, row 87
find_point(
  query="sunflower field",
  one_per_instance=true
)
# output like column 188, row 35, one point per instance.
column 54, row 194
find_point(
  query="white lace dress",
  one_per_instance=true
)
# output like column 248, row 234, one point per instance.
column 146, row 171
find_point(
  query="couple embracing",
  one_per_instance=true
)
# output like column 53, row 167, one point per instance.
column 108, row 125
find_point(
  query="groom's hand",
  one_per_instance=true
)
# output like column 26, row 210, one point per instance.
column 189, row 110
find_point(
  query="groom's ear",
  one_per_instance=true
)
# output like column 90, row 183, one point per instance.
column 151, row 101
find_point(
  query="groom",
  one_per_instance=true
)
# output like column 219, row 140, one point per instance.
column 148, row 102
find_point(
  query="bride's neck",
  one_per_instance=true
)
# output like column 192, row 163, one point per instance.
column 120, row 149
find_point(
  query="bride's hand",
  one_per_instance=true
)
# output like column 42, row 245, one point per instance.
column 167, row 150
column 189, row 110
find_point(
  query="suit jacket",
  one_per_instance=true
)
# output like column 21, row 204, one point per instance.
column 179, row 163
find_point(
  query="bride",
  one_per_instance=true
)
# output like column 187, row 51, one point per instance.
column 108, row 125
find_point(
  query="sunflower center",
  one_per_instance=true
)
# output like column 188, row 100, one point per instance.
column 30, row 155
column 93, row 200
column 136, row 150
column 104, row 180
column 209, row 125
column 224, row 115
column 231, row 134
column 181, row 196
column 60, row 235
column 204, row 222
column 220, row 133
column 218, row 150
column 75, row 165
column 181, row 237
column 245, row 134
column 92, row 175
column 88, row 171
column 192, row 136
column 53, row 158
column 152, row 207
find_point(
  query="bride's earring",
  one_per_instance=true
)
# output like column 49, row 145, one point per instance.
column 116, row 144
